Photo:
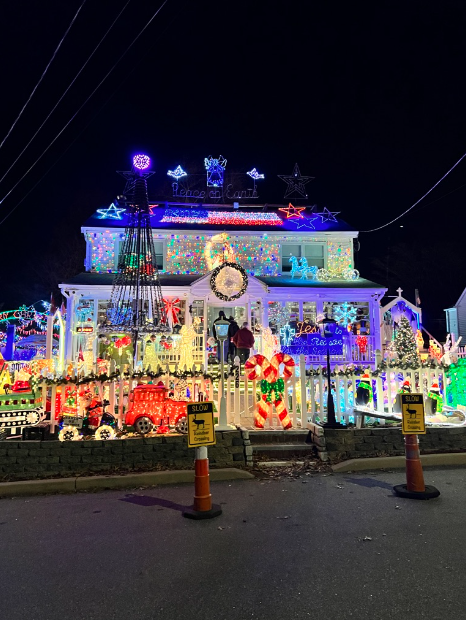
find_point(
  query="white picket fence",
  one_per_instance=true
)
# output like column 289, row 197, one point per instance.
column 305, row 393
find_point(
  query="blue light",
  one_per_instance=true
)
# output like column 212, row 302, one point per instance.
column 255, row 175
column 112, row 213
column 177, row 173
column 215, row 169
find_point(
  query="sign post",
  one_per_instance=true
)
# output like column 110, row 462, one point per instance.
column 201, row 433
column 413, row 424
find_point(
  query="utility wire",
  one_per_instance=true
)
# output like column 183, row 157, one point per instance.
column 69, row 86
column 42, row 76
column 81, row 107
column 416, row 203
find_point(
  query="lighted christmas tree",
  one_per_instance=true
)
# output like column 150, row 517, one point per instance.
column 405, row 344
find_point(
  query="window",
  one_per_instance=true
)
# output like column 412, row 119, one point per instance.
column 159, row 254
column 312, row 252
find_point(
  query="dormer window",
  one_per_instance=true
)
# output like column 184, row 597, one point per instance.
column 313, row 252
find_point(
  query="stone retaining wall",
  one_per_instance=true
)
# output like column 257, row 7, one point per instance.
column 25, row 460
column 336, row 444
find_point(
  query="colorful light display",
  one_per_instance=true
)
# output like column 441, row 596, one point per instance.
column 257, row 254
column 340, row 261
column 102, row 250
column 220, row 218
column 141, row 161
column 292, row 211
column 215, row 169
column 111, row 213
column 178, row 173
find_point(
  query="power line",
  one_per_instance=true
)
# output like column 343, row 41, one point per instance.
column 42, row 76
column 69, row 86
column 81, row 107
column 416, row 203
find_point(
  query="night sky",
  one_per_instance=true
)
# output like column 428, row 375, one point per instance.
column 367, row 97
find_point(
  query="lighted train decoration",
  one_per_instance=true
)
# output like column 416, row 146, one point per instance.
column 20, row 410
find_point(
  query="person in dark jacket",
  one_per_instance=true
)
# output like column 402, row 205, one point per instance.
column 243, row 341
column 234, row 327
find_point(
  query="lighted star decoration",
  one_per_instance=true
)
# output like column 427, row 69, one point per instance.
column 305, row 223
column 295, row 183
column 177, row 173
column 255, row 175
column 328, row 216
column 111, row 213
column 292, row 211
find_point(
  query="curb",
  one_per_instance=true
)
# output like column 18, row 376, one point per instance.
column 93, row 483
column 399, row 462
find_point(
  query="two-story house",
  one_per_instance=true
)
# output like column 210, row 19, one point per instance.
column 300, row 267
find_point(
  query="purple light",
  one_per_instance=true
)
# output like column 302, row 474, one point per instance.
column 141, row 162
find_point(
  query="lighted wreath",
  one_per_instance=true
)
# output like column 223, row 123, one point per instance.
column 229, row 281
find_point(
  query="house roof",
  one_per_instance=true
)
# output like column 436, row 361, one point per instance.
column 183, row 216
column 166, row 279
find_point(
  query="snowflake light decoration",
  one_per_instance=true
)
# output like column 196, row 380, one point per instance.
column 344, row 314
column 287, row 334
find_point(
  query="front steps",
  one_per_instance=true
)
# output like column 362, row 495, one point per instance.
column 280, row 445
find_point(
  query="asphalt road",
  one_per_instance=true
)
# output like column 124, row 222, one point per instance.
column 322, row 547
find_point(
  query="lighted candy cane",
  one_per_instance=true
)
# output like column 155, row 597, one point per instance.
column 272, row 386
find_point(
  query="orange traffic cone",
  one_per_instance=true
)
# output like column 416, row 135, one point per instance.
column 202, row 507
column 414, row 487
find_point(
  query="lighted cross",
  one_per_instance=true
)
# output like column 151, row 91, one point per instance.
column 399, row 291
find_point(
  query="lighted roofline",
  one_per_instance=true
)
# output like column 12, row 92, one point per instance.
column 253, row 231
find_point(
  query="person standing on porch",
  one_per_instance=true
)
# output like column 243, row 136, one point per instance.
column 243, row 341
column 221, row 317
column 234, row 327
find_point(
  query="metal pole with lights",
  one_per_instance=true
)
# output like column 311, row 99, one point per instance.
column 221, row 328
column 327, row 327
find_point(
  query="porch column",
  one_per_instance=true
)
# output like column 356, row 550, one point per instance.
column 69, row 337
column 375, row 323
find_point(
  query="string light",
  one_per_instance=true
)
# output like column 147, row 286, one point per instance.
column 257, row 254
column 102, row 245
